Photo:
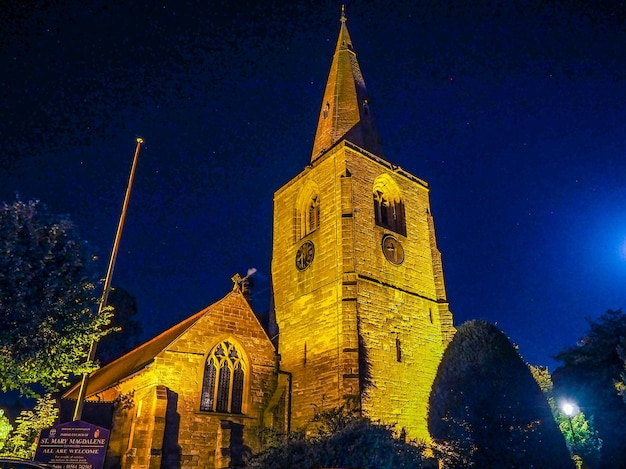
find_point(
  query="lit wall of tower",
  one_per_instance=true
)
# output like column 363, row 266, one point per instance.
column 358, row 289
column 359, row 294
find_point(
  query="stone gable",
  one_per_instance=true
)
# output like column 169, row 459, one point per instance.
column 158, row 419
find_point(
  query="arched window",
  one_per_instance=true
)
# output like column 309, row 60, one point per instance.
column 313, row 214
column 307, row 216
column 223, row 383
column 388, row 205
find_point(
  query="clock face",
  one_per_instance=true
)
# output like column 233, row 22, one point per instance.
column 392, row 249
column 304, row 256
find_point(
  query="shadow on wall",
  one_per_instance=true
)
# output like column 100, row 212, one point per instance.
column 231, row 448
column 365, row 367
column 95, row 413
column 171, row 448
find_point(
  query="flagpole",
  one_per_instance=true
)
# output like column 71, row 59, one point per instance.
column 82, row 393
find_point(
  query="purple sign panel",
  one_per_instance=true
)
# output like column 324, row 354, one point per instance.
column 73, row 445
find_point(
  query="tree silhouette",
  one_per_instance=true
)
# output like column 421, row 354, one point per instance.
column 589, row 375
column 581, row 437
column 126, row 338
column 486, row 410
column 47, row 307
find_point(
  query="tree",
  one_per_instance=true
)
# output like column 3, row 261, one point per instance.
column 47, row 308
column 343, row 439
column 486, row 410
column 21, row 441
column 620, row 385
column 581, row 437
column 5, row 429
column 589, row 375
column 124, row 310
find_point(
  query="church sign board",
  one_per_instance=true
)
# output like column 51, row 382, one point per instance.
column 73, row 445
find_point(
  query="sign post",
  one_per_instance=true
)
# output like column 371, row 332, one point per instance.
column 73, row 445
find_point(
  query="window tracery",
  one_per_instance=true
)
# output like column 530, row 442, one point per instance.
column 388, row 205
column 313, row 216
column 223, row 382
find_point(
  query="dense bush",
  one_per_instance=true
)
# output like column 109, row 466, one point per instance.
column 487, row 411
column 343, row 439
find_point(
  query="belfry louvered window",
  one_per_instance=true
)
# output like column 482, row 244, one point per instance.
column 388, row 205
column 223, row 383
column 389, row 213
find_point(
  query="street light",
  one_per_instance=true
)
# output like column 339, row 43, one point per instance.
column 570, row 409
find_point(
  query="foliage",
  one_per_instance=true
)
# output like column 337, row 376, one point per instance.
column 343, row 439
column 47, row 316
column 124, row 309
column 542, row 376
column 22, row 441
column 582, row 439
column 620, row 385
column 486, row 410
column 5, row 429
column 589, row 375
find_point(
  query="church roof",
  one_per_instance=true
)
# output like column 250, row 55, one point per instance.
column 140, row 357
column 345, row 112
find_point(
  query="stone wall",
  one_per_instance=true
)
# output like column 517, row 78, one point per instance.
column 353, row 324
column 162, row 421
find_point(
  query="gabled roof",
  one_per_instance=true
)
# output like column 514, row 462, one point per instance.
column 140, row 357
column 345, row 112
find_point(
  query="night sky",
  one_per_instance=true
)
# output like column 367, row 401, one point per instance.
column 514, row 112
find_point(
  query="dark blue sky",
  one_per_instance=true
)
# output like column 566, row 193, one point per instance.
column 512, row 111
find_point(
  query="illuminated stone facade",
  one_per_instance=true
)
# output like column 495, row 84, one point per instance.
column 360, row 312
column 360, row 302
column 367, row 319
column 194, row 396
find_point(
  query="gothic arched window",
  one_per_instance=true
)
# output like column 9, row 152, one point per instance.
column 223, row 383
column 307, row 216
column 388, row 205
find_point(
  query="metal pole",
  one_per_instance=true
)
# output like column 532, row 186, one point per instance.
column 82, row 393
column 571, row 427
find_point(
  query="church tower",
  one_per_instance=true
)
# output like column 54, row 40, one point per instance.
column 359, row 294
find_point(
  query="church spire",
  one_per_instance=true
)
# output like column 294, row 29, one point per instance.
column 345, row 112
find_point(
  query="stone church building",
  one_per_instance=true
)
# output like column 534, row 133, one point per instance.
column 359, row 315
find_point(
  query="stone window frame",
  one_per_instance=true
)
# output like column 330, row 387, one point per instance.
column 388, row 205
column 225, row 379
column 307, row 212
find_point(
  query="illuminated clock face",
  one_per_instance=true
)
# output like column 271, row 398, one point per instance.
column 392, row 249
column 304, row 256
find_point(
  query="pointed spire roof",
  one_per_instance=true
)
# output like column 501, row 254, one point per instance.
column 345, row 112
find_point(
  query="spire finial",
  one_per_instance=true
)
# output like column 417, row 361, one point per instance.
column 345, row 112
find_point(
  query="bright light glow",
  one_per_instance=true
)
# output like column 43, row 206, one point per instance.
column 568, row 408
